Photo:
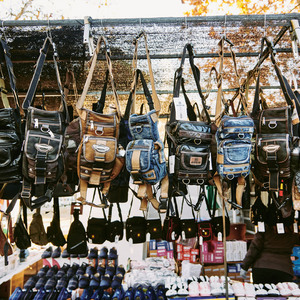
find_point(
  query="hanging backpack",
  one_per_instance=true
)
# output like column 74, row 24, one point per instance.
column 77, row 240
column 145, row 160
column 233, row 138
column 274, row 137
column 43, row 158
column 188, row 139
column 99, row 157
column 10, row 125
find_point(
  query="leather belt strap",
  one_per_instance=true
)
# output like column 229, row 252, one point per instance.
column 4, row 94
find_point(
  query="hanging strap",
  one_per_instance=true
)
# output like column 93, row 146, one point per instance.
column 110, row 212
column 179, row 82
column 170, row 207
column 101, row 102
column 189, row 203
column 29, row 98
column 156, row 101
column 287, row 92
column 215, row 206
column 12, row 79
column 94, row 205
column 93, row 62
column 70, row 79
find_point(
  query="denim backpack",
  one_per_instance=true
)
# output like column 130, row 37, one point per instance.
column 100, row 158
column 145, row 159
column 189, row 139
column 233, row 138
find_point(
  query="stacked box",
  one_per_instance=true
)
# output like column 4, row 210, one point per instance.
column 212, row 252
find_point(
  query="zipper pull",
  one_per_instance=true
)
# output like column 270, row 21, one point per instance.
column 36, row 123
column 264, row 121
column 50, row 133
column 86, row 139
column 92, row 124
column 259, row 142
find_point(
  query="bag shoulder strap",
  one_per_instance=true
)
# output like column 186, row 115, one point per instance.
column 12, row 79
column 179, row 82
column 156, row 101
column 93, row 62
column 110, row 212
column 101, row 102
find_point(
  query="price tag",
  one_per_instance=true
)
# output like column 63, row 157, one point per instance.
column 117, row 238
column 201, row 241
column 180, row 108
column 255, row 228
column 148, row 235
column 261, row 226
column 280, row 228
column 173, row 236
column 219, row 236
column 171, row 164
column 183, row 235
column 295, row 227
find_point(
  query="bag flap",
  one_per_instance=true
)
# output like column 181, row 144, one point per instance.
column 38, row 142
column 193, row 157
column 99, row 149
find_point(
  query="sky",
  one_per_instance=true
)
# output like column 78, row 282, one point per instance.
column 77, row 9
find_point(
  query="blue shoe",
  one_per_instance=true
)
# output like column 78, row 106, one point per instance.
column 56, row 253
column 105, row 281
column 84, row 281
column 117, row 281
column 17, row 294
column 120, row 270
column 160, row 293
column 97, row 294
column 101, row 269
column 106, row 296
column 93, row 254
column 42, row 272
column 50, row 284
column 65, row 254
column 64, row 294
column 40, row 295
column 31, row 282
column 62, row 271
column 110, row 270
column 47, row 253
column 41, row 282
column 150, row 293
column 95, row 281
column 86, row 295
column 73, row 283
column 103, row 253
column 129, row 294
column 139, row 294
column 118, row 294
column 90, row 270
column 62, row 283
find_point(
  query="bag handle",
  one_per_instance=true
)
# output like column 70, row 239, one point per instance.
column 184, row 199
column 110, row 212
column 156, row 101
column 101, row 102
column 70, row 78
column 178, row 82
column 91, row 206
column 12, row 79
column 215, row 206
column 170, row 205
column 29, row 98
column 93, row 62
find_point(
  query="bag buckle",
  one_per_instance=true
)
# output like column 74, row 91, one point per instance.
column 186, row 181
column 272, row 124
column 241, row 135
column 200, row 181
column 229, row 176
column 197, row 141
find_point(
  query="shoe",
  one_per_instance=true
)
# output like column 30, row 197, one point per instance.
column 139, row 294
column 40, row 295
column 31, row 282
column 52, row 271
column 41, row 282
column 118, row 294
column 101, row 269
column 129, row 294
column 95, row 281
column 105, row 282
column 97, row 294
column 150, row 293
column 65, row 254
column 47, row 253
column 113, row 254
column 120, row 270
column 86, row 294
column 106, row 296
column 90, row 270
column 56, row 253
column 72, row 270
column 103, row 253
column 84, row 281
column 17, row 294
column 110, row 271
column 73, row 283
column 51, row 283
column 62, row 283
column 62, row 271
column 63, row 295
column 42, row 272
column 81, row 270
column 93, row 253
column 117, row 281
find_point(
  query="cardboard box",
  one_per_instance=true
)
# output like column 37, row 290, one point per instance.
column 186, row 255
column 152, row 245
column 186, row 248
column 161, row 252
column 170, row 246
column 170, row 254
column 179, row 248
column 193, row 258
column 194, row 251
column 180, row 256
column 153, row 253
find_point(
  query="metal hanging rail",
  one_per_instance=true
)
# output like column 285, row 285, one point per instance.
column 149, row 21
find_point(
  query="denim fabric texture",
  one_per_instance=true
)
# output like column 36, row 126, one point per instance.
column 151, row 158
column 144, row 126
column 234, row 146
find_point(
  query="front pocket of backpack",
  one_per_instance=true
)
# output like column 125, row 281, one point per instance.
column 270, row 145
column 236, row 152
column 192, row 158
